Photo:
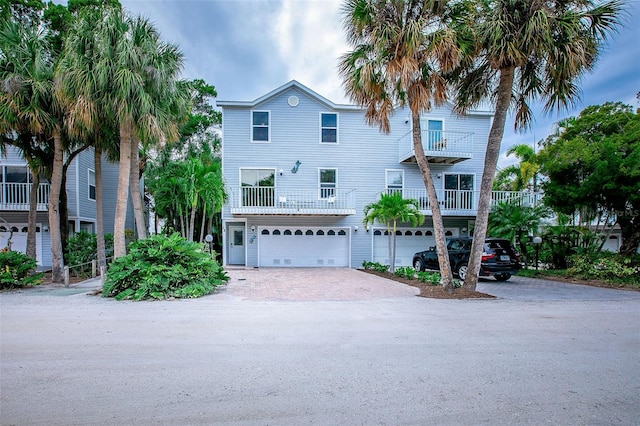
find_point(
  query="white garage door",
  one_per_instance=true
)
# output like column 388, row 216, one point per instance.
column 303, row 246
column 17, row 233
column 408, row 242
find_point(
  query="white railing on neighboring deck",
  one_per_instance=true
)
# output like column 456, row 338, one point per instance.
column 15, row 196
column 466, row 202
column 438, row 143
column 272, row 200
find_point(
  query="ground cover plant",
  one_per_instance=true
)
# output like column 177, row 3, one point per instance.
column 17, row 270
column 161, row 267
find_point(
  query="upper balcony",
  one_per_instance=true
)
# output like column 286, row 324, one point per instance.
column 441, row 147
column 291, row 201
column 465, row 203
column 15, row 196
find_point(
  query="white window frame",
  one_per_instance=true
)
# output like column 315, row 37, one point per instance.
column 320, row 183
column 386, row 180
column 89, row 172
column 424, row 124
column 337, row 142
column 268, row 126
column 275, row 176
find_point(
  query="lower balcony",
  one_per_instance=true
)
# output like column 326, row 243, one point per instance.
column 276, row 201
column 15, row 196
column 465, row 202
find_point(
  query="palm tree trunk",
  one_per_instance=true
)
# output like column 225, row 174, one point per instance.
column 134, row 188
column 436, row 215
column 393, row 247
column 192, row 222
column 119, row 242
column 102, row 255
column 496, row 132
column 57, row 261
column 204, row 219
column 33, row 211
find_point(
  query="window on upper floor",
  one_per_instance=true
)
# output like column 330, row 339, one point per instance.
column 16, row 174
column 328, row 128
column 257, row 187
column 434, row 134
column 260, row 130
column 92, row 184
column 327, row 182
column 395, row 181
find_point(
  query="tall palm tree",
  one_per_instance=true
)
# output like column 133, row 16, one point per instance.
column 525, row 49
column 398, row 47
column 524, row 174
column 28, row 106
column 389, row 210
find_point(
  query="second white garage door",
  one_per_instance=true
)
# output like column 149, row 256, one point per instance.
column 303, row 247
column 408, row 242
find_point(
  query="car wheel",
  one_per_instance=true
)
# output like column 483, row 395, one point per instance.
column 418, row 264
column 502, row 277
column 462, row 271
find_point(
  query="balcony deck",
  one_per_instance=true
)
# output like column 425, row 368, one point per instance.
column 440, row 147
column 15, row 196
column 286, row 202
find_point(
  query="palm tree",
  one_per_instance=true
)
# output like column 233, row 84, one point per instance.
column 525, row 49
column 397, row 45
column 523, row 175
column 389, row 210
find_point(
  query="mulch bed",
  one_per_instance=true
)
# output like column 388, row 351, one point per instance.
column 430, row 291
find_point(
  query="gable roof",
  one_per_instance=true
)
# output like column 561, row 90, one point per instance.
column 291, row 84
column 295, row 84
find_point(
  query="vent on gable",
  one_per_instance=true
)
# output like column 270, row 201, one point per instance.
column 293, row 101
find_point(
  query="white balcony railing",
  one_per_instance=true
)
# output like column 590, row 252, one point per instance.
column 457, row 202
column 292, row 201
column 15, row 196
column 439, row 146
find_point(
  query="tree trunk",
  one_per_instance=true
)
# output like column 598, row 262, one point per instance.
column 192, row 222
column 119, row 241
column 134, row 187
column 33, row 211
column 393, row 247
column 630, row 233
column 204, row 219
column 64, row 211
column 436, row 215
column 102, row 255
column 496, row 132
column 57, row 261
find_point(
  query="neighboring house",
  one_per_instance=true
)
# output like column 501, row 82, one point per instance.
column 299, row 170
column 15, row 182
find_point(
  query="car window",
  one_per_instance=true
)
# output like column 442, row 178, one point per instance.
column 456, row 245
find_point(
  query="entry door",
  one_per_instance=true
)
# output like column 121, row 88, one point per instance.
column 236, row 245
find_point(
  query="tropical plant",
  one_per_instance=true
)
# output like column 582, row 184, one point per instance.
column 389, row 210
column 160, row 267
column 521, row 176
column 82, row 249
column 397, row 47
column 516, row 223
column 375, row 266
column 17, row 270
column 524, row 50
column 405, row 272
column 432, row 278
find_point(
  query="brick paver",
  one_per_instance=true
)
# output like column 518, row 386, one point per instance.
column 312, row 284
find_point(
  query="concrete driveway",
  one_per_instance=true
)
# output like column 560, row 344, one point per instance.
column 378, row 356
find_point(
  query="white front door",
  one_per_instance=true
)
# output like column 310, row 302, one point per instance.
column 236, row 245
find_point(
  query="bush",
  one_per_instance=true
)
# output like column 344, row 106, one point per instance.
column 432, row 278
column 82, row 248
column 606, row 266
column 375, row 266
column 405, row 272
column 17, row 270
column 159, row 267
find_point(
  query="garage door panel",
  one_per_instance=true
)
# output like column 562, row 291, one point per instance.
column 408, row 243
column 314, row 247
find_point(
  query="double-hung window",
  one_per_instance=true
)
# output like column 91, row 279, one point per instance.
column 92, row 184
column 434, row 132
column 395, row 181
column 328, row 128
column 260, row 130
column 327, row 182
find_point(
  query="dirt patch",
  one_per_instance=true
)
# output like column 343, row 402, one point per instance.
column 430, row 291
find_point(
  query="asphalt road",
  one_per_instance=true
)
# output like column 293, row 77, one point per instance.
column 570, row 357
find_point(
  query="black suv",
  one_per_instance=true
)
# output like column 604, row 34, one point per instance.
column 498, row 258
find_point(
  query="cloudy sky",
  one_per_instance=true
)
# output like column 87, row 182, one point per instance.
column 246, row 48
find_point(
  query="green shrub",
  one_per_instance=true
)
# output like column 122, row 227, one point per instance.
column 375, row 266
column 17, row 270
column 606, row 266
column 432, row 278
column 82, row 248
column 405, row 272
column 159, row 267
